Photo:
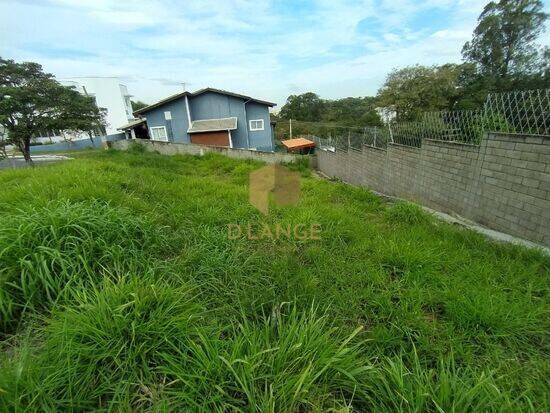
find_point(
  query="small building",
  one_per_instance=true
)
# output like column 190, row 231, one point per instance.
column 299, row 145
column 207, row 117
column 109, row 94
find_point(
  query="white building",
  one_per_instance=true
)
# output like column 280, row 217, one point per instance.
column 109, row 94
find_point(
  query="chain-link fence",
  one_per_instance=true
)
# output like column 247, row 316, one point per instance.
column 526, row 112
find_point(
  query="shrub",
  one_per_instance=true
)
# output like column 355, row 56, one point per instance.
column 46, row 252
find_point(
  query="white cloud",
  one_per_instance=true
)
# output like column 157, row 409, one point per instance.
column 264, row 48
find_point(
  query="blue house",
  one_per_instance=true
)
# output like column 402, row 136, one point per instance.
column 206, row 117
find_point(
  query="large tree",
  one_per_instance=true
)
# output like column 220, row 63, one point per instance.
column 503, row 43
column 352, row 111
column 307, row 107
column 412, row 90
column 32, row 102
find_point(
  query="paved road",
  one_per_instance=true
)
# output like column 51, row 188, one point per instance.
column 19, row 162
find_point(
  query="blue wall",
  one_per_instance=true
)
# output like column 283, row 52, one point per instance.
column 75, row 145
column 261, row 140
column 176, row 128
column 212, row 105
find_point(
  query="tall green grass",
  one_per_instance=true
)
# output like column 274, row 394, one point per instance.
column 48, row 252
column 121, row 291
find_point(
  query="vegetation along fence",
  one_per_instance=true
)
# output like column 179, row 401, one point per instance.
column 523, row 112
column 491, row 166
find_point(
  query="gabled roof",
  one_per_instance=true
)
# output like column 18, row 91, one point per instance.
column 200, row 92
column 213, row 125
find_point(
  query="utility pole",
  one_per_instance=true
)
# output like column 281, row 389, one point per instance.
column 290, row 122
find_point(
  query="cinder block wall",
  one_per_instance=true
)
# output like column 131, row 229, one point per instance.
column 170, row 148
column 504, row 183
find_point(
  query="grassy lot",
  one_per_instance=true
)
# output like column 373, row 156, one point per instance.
column 120, row 290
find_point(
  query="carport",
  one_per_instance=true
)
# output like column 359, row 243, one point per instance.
column 136, row 129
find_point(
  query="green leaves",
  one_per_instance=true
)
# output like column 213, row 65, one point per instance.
column 503, row 41
column 32, row 102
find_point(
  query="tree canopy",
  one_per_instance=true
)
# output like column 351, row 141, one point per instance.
column 32, row 101
column 501, row 56
column 138, row 104
column 412, row 90
column 306, row 107
column 351, row 111
column 503, row 42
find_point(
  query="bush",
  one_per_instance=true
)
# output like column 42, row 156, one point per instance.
column 46, row 252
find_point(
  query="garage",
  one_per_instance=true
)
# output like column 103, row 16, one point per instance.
column 213, row 132
column 220, row 138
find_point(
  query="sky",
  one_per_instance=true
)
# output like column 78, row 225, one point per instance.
column 267, row 49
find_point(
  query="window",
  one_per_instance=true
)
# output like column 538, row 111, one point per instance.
column 168, row 115
column 158, row 133
column 257, row 124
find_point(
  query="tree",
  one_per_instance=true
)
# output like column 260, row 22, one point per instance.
column 307, row 107
column 503, row 41
column 31, row 102
column 138, row 104
column 415, row 89
column 3, row 143
column 352, row 111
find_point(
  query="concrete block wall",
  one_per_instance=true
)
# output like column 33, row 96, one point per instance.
column 504, row 183
column 170, row 148
column 515, row 186
column 450, row 173
column 403, row 171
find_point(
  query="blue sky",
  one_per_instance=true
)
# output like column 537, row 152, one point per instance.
column 268, row 49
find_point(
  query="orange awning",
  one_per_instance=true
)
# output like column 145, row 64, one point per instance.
column 298, row 143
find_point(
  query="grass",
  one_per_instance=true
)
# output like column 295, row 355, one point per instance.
column 121, row 290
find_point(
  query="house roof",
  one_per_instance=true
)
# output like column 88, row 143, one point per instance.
column 212, row 125
column 197, row 93
column 131, row 124
column 298, row 143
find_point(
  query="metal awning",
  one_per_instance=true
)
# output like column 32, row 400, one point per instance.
column 131, row 124
column 213, row 125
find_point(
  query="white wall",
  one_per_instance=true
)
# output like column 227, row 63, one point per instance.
column 109, row 94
